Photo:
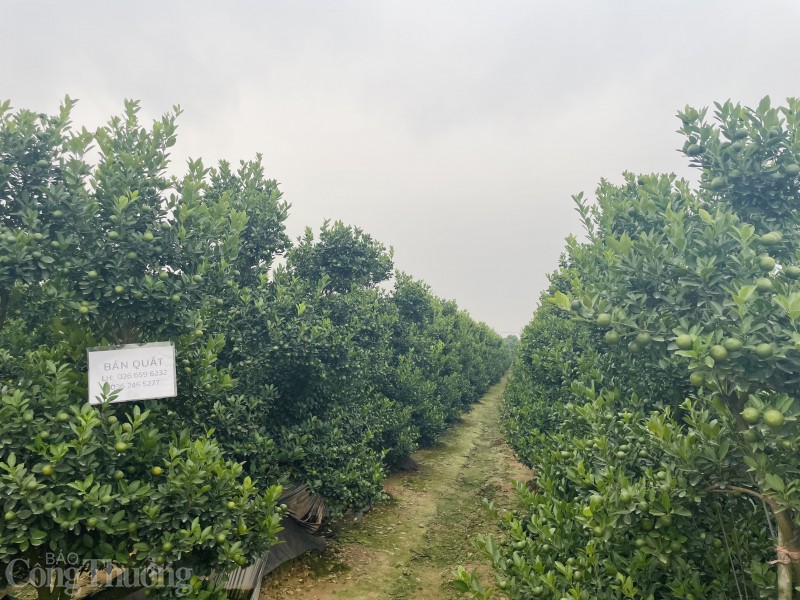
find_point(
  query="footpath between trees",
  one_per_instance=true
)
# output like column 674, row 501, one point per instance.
column 408, row 546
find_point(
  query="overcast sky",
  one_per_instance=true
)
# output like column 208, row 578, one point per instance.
column 454, row 131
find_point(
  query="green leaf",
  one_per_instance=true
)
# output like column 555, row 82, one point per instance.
column 774, row 482
column 560, row 299
column 744, row 294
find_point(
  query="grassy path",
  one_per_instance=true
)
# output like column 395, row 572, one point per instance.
column 408, row 547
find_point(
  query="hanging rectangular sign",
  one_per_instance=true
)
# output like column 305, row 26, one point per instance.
column 139, row 371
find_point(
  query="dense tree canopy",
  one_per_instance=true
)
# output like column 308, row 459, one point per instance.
column 654, row 392
column 304, row 373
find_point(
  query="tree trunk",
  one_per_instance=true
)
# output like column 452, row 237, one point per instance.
column 787, row 553
column 4, row 300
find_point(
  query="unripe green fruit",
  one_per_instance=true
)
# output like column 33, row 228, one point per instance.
column 697, row 379
column 175, row 297
column 131, row 255
column 604, row 319
column 120, row 447
column 763, row 284
column 84, row 310
column 771, row 238
column 643, row 339
column 751, row 415
column 112, row 235
column 166, row 547
column 48, row 470
column 718, row 353
column 750, row 436
column 10, row 516
column 717, row 183
column 685, row 342
column 625, row 496
column 119, row 475
column 694, row 150
column 148, row 236
column 92, row 274
column 165, row 226
column 765, row 350
column 156, row 471
column 118, row 289
column 732, row 344
column 91, row 522
column 612, row 337
column 773, row 418
column 58, row 213
column 62, row 417
column 231, row 505
column 163, row 275
column 221, row 537
column 766, row 263
column 792, row 170
column 792, row 271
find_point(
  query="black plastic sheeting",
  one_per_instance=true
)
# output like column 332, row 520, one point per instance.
column 245, row 583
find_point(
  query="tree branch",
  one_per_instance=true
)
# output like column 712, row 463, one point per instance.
column 4, row 301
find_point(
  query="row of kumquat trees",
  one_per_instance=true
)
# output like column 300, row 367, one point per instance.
column 655, row 392
column 308, row 373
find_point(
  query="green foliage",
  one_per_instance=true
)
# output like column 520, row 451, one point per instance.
column 654, row 392
column 93, row 254
column 308, row 372
column 349, row 258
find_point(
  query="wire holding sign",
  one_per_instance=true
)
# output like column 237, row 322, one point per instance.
column 138, row 371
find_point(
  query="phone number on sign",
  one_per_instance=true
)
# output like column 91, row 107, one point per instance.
column 141, row 375
column 141, row 383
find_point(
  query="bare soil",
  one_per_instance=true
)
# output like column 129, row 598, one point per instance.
column 409, row 546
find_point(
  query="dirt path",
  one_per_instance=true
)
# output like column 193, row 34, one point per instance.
column 408, row 547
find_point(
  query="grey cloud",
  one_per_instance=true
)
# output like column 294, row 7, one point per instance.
column 455, row 131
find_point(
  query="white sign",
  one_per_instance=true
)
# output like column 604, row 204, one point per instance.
column 139, row 371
